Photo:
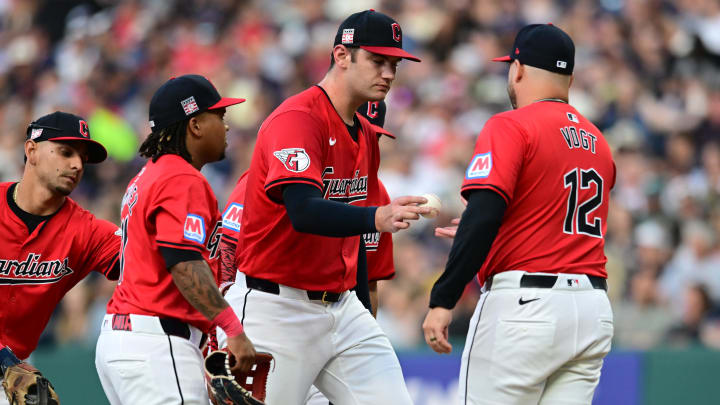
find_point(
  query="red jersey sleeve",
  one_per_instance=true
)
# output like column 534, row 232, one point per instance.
column 182, row 213
column 497, row 159
column 104, row 246
column 293, row 151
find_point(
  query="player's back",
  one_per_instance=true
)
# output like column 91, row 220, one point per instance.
column 557, row 191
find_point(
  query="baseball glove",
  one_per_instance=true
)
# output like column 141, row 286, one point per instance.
column 23, row 383
column 228, row 388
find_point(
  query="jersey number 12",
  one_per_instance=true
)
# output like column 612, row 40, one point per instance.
column 576, row 218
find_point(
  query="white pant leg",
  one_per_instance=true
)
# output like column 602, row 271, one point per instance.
column 295, row 331
column 517, row 350
column 315, row 397
column 3, row 397
column 364, row 369
column 150, row 369
column 575, row 382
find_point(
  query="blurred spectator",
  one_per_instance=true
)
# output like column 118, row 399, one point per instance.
column 697, row 305
column 641, row 321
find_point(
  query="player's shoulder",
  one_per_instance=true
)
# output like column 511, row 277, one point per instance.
column 311, row 104
column 174, row 167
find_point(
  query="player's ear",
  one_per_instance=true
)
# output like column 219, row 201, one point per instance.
column 519, row 71
column 342, row 56
column 31, row 151
column 193, row 127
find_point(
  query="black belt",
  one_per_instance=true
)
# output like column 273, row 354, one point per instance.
column 548, row 281
column 170, row 326
column 274, row 288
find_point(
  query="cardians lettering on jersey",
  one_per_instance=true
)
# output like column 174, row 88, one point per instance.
column 32, row 270
column 344, row 190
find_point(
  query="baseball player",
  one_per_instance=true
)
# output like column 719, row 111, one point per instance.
column 537, row 193
column 48, row 243
column 378, row 246
column 167, row 296
column 300, row 232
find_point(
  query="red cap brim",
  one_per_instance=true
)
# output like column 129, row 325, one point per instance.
column 96, row 151
column 382, row 131
column 391, row 51
column 506, row 58
column 225, row 102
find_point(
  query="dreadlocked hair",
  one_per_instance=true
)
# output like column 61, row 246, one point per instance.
column 169, row 140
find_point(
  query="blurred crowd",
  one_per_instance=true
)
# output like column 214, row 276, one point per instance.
column 647, row 74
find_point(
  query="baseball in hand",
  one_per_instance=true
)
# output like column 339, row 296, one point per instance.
column 433, row 202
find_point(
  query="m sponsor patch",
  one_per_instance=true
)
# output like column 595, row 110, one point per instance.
column 194, row 229
column 231, row 217
column 189, row 105
column 480, row 166
column 295, row 159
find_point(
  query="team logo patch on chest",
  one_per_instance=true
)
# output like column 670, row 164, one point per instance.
column 295, row 160
column 33, row 271
column 194, row 228
column 344, row 190
column 480, row 166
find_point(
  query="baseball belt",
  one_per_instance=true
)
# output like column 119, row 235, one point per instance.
column 548, row 281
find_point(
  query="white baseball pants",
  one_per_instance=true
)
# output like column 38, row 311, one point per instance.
column 338, row 347
column 146, row 366
column 529, row 346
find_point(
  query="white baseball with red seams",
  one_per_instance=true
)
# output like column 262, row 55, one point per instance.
column 433, row 202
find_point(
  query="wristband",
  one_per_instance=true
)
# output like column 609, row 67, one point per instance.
column 228, row 322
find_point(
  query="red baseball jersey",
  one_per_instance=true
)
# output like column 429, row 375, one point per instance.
column 168, row 204
column 379, row 245
column 304, row 141
column 555, row 171
column 231, row 222
column 37, row 269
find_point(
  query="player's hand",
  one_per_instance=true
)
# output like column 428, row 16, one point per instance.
column 242, row 349
column 392, row 217
column 435, row 329
column 448, row 232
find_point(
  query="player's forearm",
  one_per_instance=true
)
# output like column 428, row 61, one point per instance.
column 476, row 232
column 196, row 283
column 310, row 213
column 227, row 261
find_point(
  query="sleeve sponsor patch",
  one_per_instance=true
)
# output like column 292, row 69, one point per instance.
column 194, row 229
column 480, row 166
column 295, row 159
column 231, row 217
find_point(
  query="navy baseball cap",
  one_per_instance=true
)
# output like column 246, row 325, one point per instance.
column 62, row 126
column 374, row 32
column 374, row 111
column 183, row 97
column 543, row 46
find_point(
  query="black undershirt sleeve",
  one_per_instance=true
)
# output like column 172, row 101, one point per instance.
column 309, row 212
column 362, row 290
column 174, row 256
column 477, row 230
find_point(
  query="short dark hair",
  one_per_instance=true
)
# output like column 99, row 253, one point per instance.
column 353, row 58
column 169, row 140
